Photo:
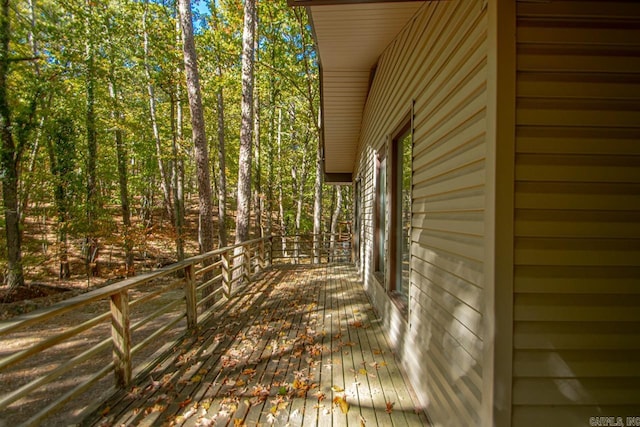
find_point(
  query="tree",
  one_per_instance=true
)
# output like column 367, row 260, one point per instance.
column 197, row 128
column 9, row 161
column 61, row 148
column 246, row 127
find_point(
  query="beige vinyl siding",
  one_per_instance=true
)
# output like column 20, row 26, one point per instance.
column 577, row 212
column 439, row 62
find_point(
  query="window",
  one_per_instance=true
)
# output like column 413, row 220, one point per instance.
column 400, row 226
column 381, row 213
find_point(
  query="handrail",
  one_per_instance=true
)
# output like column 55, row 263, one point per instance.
column 235, row 269
column 207, row 280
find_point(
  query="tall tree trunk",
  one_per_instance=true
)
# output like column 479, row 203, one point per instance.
column 222, row 180
column 198, row 128
column 61, row 148
column 26, row 185
column 283, row 224
column 334, row 222
column 177, row 170
column 9, row 162
column 317, row 207
column 121, row 160
column 300, row 184
column 317, row 199
column 246, row 128
column 258, row 198
column 91, row 240
column 164, row 176
column 222, row 155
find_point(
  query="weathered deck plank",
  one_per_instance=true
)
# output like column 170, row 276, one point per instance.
column 285, row 353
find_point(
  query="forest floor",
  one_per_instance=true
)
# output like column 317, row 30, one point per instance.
column 154, row 247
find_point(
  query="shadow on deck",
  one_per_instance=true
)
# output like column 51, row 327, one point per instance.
column 302, row 347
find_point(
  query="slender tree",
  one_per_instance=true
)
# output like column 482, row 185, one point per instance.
column 197, row 128
column 246, row 127
column 164, row 176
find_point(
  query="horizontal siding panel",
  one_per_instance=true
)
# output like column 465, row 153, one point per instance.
column 576, row 308
column 458, row 156
column 611, row 336
column 536, row 416
column 570, row 140
column 586, row 391
column 574, row 364
column 470, row 223
column 471, row 198
column 467, row 247
column 469, row 175
column 582, row 224
column 602, row 59
column 621, row 11
column 578, row 112
column 577, row 252
column 577, row 280
column 577, row 169
column 576, row 86
column 578, row 196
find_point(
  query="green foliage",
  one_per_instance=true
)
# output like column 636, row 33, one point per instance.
column 47, row 92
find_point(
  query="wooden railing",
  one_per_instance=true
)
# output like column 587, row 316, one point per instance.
column 201, row 285
column 313, row 248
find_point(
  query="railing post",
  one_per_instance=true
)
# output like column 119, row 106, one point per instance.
column 121, row 336
column 246, row 263
column 190, row 297
column 262, row 262
column 270, row 251
column 226, row 274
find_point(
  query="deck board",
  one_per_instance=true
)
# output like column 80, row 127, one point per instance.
column 285, row 353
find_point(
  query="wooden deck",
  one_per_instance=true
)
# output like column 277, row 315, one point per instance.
column 303, row 348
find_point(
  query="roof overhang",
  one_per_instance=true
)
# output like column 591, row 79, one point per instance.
column 350, row 35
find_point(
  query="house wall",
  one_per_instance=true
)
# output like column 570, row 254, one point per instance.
column 576, row 343
column 438, row 62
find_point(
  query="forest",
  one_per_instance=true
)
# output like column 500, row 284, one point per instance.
column 136, row 133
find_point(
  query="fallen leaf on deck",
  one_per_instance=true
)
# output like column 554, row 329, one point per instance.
column 238, row 422
column 196, row 378
column 105, row 411
column 362, row 371
column 389, row 407
column 185, row 402
column 337, row 389
column 342, row 402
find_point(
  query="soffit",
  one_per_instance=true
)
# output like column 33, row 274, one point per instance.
column 350, row 39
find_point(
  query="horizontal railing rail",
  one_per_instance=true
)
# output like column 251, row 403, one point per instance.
column 130, row 320
column 201, row 284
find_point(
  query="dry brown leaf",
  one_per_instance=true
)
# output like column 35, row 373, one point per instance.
column 185, row 402
column 342, row 402
column 389, row 407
